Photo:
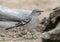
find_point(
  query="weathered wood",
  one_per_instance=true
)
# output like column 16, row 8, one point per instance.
column 54, row 33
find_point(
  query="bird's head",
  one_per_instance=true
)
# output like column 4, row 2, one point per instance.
column 36, row 12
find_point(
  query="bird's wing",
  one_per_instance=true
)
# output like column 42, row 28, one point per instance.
column 23, row 13
column 14, row 14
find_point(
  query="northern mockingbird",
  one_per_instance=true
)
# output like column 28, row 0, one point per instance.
column 21, row 16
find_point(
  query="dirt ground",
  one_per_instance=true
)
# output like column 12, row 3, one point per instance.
column 15, row 34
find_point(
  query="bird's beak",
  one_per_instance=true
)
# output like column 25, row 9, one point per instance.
column 41, row 11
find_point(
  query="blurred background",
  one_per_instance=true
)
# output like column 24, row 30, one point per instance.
column 46, row 5
column 31, row 4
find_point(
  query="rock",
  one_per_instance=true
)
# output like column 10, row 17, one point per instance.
column 28, row 36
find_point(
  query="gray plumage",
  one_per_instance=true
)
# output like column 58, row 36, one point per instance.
column 19, row 15
column 13, row 14
column 34, row 21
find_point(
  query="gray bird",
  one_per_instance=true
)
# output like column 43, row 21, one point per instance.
column 18, row 15
column 34, row 20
